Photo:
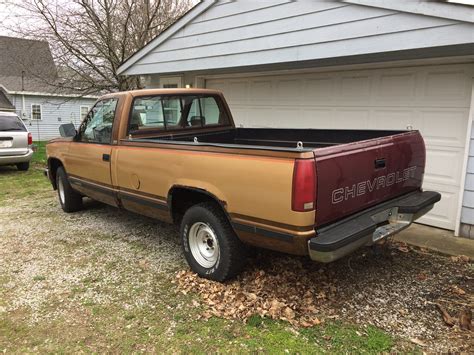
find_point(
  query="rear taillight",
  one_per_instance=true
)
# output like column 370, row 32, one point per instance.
column 304, row 185
column 30, row 139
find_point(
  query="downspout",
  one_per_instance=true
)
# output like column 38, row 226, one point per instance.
column 23, row 108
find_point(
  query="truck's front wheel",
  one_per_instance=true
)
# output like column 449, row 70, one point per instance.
column 70, row 200
column 210, row 245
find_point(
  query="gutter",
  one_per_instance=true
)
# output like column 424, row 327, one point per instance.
column 35, row 93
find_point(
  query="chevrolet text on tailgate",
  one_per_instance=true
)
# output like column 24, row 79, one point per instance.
column 177, row 156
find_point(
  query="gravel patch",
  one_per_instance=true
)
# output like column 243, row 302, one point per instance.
column 97, row 256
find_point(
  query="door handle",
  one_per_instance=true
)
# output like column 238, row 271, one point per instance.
column 106, row 157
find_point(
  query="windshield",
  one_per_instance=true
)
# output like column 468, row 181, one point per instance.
column 11, row 123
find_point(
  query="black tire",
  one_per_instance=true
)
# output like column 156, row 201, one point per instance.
column 71, row 201
column 232, row 254
column 23, row 166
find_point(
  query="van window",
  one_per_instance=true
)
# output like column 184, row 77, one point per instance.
column 11, row 124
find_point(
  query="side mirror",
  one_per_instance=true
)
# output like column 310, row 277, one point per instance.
column 67, row 130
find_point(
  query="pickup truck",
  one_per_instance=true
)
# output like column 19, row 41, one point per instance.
column 176, row 155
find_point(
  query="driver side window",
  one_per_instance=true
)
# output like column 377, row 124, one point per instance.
column 97, row 126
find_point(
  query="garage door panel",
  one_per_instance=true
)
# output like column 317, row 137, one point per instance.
column 320, row 91
column 242, row 115
column 261, row 92
column 288, row 91
column 285, row 117
column 395, row 119
column 396, row 87
column 432, row 99
column 351, row 118
column 444, row 212
column 436, row 122
column 217, row 85
column 355, row 88
column 322, row 117
column 443, row 166
column 238, row 91
column 447, row 87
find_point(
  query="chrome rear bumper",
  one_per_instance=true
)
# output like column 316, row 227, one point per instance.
column 369, row 226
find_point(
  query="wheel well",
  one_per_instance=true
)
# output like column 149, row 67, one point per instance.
column 53, row 165
column 182, row 198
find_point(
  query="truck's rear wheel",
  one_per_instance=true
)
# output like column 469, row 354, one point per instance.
column 70, row 200
column 210, row 245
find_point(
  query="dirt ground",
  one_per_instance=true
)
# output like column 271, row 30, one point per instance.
column 54, row 265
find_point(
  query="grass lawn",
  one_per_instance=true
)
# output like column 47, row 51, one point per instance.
column 73, row 283
column 39, row 157
column 20, row 184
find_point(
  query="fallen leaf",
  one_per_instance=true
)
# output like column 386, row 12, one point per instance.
column 403, row 249
column 289, row 313
column 450, row 321
column 457, row 290
column 421, row 276
column 465, row 319
column 418, row 342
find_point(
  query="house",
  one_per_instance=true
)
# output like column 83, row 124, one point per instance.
column 337, row 64
column 28, row 78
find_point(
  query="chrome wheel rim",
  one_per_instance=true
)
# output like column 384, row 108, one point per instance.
column 61, row 190
column 204, row 244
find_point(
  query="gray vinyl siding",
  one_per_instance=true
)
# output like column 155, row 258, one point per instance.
column 55, row 111
column 245, row 33
column 467, row 215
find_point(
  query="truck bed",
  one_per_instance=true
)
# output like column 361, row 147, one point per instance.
column 355, row 169
column 279, row 138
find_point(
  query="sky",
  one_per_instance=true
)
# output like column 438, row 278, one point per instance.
column 11, row 16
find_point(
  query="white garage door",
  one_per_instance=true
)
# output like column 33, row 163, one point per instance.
column 433, row 99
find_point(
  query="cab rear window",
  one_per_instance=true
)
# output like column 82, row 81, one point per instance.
column 11, row 123
column 166, row 112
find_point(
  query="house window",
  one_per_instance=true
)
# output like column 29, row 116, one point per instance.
column 83, row 112
column 36, row 112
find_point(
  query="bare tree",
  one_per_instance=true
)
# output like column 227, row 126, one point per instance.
column 91, row 38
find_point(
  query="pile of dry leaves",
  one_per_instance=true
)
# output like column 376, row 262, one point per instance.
column 274, row 293
column 405, row 291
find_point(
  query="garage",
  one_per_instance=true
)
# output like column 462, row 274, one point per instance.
column 337, row 64
column 432, row 99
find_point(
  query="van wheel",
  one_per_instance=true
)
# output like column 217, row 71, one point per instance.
column 210, row 245
column 70, row 200
column 23, row 166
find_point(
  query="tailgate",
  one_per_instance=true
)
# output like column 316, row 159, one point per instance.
column 13, row 143
column 352, row 177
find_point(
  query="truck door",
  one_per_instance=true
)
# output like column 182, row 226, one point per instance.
column 88, row 159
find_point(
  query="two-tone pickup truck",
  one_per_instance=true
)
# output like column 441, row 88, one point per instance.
column 177, row 156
